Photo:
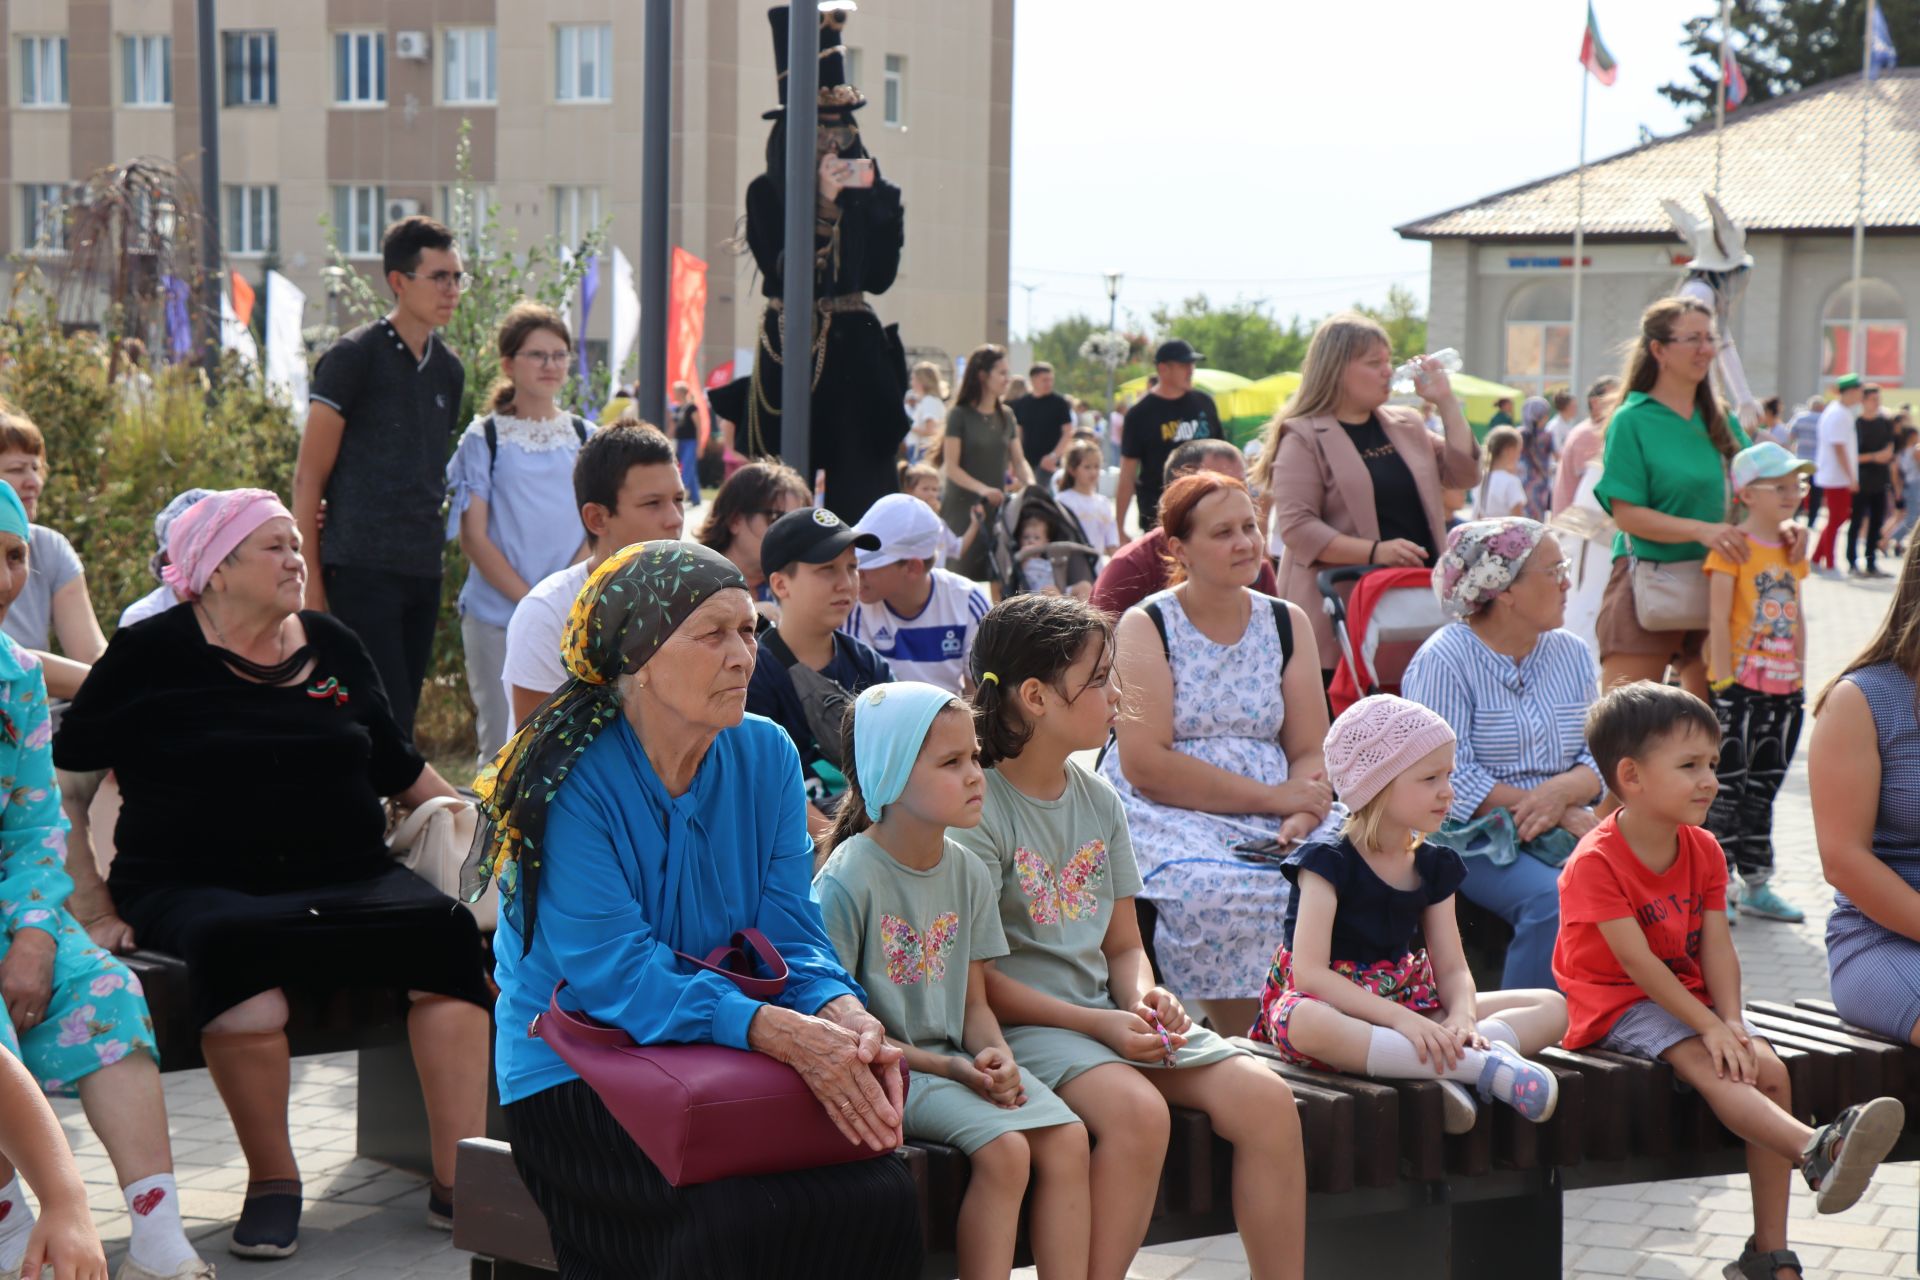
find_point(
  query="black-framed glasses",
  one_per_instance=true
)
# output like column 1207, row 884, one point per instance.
column 444, row 281
column 548, row 359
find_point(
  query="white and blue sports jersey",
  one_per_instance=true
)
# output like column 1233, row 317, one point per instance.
column 934, row 644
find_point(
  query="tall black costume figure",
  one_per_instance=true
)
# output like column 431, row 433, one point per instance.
column 859, row 368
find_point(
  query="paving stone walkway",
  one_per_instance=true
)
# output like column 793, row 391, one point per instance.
column 366, row 1220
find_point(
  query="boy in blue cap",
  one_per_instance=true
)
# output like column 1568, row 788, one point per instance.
column 1756, row 661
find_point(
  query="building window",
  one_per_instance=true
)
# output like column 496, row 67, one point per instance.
column 359, row 68
column 43, row 217
column 252, row 222
column 1540, row 337
column 146, row 71
column 252, row 68
column 1883, row 331
column 467, row 75
column 357, row 214
column 576, row 211
column 43, row 71
column 853, row 67
column 583, row 64
column 894, row 92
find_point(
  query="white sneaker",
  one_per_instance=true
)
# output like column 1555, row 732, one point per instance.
column 195, row 1269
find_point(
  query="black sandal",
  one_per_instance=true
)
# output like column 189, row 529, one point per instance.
column 1754, row 1265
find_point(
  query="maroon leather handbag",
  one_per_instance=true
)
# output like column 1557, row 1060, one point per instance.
column 703, row 1112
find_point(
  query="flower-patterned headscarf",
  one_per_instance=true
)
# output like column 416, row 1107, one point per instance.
column 1482, row 559
column 629, row 607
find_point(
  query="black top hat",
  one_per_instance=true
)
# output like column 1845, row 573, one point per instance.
column 837, row 97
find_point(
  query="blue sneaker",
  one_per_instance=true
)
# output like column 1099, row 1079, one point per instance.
column 1521, row 1083
column 1760, row 900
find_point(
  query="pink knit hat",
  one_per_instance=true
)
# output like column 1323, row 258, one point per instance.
column 1374, row 740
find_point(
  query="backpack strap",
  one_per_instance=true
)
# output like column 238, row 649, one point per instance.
column 579, row 428
column 769, row 636
column 492, row 434
column 1283, row 623
column 1159, row 620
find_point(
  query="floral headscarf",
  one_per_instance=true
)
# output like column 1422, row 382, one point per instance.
column 1482, row 559
column 628, row 608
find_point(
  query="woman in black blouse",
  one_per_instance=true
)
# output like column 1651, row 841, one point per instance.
column 252, row 743
column 1352, row 479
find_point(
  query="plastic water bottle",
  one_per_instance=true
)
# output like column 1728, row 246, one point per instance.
column 1448, row 359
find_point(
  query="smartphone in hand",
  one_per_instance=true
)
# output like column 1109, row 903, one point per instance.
column 859, row 173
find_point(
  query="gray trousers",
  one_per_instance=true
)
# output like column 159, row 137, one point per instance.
column 486, row 649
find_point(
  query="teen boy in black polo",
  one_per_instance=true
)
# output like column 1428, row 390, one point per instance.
column 385, row 409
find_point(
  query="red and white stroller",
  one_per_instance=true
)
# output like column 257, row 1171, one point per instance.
column 1381, row 616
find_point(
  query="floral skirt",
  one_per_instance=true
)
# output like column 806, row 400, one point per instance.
column 97, row 1014
column 1407, row 981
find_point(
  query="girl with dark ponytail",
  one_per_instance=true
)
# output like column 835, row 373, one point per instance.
column 1076, row 990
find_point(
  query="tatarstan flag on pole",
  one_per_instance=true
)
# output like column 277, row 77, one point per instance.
column 1594, row 55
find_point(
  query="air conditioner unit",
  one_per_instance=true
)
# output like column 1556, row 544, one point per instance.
column 398, row 209
column 411, row 46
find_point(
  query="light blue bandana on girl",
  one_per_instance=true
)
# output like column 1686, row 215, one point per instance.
column 890, row 723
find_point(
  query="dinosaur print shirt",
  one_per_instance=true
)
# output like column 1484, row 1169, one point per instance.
column 1060, row 865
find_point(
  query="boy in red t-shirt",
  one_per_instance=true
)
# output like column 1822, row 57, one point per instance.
column 1648, row 967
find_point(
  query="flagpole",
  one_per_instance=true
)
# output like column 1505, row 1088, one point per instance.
column 1579, row 235
column 1720, row 97
column 1855, row 350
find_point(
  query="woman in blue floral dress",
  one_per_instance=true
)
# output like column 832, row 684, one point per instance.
column 1219, row 746
column 74, row 1015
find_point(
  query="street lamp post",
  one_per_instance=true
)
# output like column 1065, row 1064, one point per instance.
column 1113, row 319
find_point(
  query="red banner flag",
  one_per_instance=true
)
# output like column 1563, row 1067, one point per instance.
column 686, row 325
column 242, row 299
column 1594, row 54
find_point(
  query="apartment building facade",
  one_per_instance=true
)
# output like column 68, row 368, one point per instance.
column 352, row 109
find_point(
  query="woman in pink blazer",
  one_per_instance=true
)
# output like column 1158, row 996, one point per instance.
column 1354, row 480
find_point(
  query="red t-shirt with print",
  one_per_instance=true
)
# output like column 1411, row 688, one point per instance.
column 1605, row 880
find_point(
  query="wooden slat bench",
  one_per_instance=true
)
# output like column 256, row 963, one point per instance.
column 1388, row 1192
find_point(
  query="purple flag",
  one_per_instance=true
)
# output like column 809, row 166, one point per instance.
column 589, row 285
column 179, row 323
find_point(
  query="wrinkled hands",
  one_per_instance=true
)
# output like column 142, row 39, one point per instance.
column 26, row 978
column 835, row 1052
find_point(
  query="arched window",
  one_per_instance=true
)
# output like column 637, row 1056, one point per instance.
column 1883, row 325
column 1540, row 336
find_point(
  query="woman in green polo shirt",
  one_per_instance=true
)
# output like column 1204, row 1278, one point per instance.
column 1663, row 479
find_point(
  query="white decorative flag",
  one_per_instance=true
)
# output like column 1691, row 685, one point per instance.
column 626, row 328
column 235, row 336
column 286, row 351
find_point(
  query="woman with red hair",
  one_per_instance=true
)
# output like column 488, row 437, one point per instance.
column 1218, row 745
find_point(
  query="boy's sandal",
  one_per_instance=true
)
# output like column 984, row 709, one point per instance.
column 1762, row 1266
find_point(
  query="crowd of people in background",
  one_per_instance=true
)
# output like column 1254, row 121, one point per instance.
column 1042, row 774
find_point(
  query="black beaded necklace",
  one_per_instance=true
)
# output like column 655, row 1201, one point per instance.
column 278, row 673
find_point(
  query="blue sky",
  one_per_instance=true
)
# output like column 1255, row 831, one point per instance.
column 1267, row 148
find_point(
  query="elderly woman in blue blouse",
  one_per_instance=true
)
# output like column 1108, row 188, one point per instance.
column 74, row 1015
column 1515, row 687
column 640, row 812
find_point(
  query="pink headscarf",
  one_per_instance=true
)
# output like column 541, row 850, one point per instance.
column 210, row 530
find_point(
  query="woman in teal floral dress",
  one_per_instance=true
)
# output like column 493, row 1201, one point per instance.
column 74, row 1015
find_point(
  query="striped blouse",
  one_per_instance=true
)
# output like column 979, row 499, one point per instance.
column 1518, row 723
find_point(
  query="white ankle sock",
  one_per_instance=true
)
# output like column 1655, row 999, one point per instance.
column 16, row 1224
column 1495, row 1029
column 159, row 1241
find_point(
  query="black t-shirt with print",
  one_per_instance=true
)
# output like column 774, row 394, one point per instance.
column 1154, row 428
column 1396, row 498
column 389, row 482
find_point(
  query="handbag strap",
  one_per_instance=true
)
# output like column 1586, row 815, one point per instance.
column 730, row 962
column 416, row 822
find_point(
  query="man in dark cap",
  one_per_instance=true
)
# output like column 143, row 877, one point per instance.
column 1171, row 413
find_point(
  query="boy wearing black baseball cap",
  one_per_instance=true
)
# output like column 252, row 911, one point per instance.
column 1171, row 413
column 808, row 671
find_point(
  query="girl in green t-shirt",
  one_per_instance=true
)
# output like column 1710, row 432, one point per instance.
column 914, row 919
column 1075, row 990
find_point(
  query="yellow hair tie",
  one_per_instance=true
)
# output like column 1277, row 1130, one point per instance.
column 988, row 675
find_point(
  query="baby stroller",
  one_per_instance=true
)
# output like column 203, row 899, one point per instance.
column 1074, row 561
column 1381, row 616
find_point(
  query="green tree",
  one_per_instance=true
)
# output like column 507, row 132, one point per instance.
column 1241, row 337
column 1400, row 316
column 1784, row 46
